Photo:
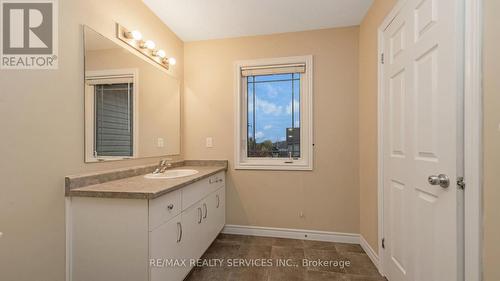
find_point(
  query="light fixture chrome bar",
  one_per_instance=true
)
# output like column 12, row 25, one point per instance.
column 146, row 47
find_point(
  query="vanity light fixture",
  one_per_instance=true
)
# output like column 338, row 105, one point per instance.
column 148, row 44
column 146, row 47
column 134, row 34
column 159, row 53
column 172, row 61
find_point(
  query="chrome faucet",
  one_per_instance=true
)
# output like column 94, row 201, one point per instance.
column 162, row 166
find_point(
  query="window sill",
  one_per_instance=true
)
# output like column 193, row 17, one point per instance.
column 276, row 167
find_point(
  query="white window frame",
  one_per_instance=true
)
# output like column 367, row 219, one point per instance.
column 305, row 162
column 89, row 113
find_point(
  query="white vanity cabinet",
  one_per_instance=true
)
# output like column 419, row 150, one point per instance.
column 145, row 240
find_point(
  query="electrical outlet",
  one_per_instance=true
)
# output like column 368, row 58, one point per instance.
column 301, row 214
column 209, row 142
column 160, row 142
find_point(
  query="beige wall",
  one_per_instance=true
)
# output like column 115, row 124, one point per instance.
column 491, row 140
column 368, row 85
column 41, row 118
column 329, row 195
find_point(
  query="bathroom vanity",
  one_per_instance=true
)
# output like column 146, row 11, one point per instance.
column 125, row 226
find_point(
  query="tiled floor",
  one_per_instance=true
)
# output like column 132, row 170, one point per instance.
column 235, row 248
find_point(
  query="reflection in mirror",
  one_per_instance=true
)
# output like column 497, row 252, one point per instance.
column 132, row 107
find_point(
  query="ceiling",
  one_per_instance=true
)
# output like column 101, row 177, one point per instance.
column 194, row 20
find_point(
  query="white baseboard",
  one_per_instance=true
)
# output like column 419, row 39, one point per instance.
column 372, row 254
column 339, row 237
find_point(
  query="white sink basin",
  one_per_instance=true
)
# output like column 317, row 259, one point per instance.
column 172, row 174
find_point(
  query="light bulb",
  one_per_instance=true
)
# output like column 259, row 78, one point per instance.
column 172, row 61
column 149, row 44
column 135, row 34
column 160, row 53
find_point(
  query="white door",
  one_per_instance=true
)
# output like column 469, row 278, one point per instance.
column 420, row 123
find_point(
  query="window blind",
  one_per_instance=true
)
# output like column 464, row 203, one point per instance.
column 273, row 69
column 113, row 119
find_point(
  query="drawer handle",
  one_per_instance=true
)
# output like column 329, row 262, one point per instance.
column 170, row 207
column 199, row 215
column 206, row 210
column 215, row 180
column 179, row 228
column 218, row 200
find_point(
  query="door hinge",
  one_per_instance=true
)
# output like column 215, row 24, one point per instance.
column 383, row 243
column 382, row 58
column 461, row 183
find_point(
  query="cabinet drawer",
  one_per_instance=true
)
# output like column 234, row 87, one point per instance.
column 200, row 189
column 163, row 208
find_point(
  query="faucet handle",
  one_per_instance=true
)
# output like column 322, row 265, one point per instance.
column 164, row 161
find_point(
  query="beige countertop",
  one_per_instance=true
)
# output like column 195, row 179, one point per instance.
column 138, row 187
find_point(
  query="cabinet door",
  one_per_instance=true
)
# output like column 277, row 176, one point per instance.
column 166, row 246
column 220, row 209
column 215, row 216
column 195, row 231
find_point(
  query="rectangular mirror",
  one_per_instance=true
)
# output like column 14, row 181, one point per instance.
column 132, row 106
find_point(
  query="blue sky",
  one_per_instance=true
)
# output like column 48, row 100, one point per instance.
column 273, row 106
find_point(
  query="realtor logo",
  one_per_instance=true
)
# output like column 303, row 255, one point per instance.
column 29, row 34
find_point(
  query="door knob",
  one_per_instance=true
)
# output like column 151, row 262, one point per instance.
column 441, row 180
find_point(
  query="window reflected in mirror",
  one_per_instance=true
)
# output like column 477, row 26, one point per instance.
column 132, row 105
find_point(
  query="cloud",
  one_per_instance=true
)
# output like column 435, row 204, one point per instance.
column 259, row 135
column 267, row 127
column 271, row 91
column 268, row 107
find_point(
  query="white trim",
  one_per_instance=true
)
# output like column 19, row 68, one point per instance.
column 89, row 116
column 339, row 237
column 307, row 141
column 372, row 254
column 473, row 111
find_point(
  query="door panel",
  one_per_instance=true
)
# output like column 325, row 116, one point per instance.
column 426, row 106
column 397, row 112
column 398, row 226
column 421, row 95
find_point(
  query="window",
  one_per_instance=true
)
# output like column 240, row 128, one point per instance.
column 110, row 117
column 274, row 113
